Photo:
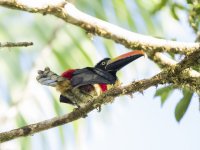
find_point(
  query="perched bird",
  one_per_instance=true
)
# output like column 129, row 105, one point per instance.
column 79, row 86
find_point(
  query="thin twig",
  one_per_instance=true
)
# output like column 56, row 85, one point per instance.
column 15, row 44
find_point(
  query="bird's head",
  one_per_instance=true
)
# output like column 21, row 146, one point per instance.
column 102, row 64
column 115, row 64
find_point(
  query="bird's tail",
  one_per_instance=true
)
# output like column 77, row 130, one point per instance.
column 49, row 78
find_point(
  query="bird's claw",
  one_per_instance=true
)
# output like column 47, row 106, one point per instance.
column 98, row 107
column 77, row 108
column 124, row 91
column 131, row 95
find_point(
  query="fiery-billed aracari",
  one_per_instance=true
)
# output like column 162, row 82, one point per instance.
column 78, row 86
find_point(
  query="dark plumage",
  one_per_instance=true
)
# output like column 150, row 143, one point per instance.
column 78, row 86
column 89, row 75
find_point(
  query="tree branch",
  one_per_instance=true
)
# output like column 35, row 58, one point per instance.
column 16, row 44
column 188, row 78
column 168, row 75
column 184, row 76
column 69, row 13
column 81, row 112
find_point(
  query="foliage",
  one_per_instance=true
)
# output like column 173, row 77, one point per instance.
column 164, row 93
column 183, row 104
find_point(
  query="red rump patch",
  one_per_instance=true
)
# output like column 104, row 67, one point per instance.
column 103, row 87
column 68, row 74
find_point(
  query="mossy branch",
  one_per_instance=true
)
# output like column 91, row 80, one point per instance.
column 15, row 44
column 69, row 13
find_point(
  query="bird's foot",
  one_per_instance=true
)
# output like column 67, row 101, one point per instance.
column 124, row 91
column 131, row 95
column 98, row 107
column 77, row 108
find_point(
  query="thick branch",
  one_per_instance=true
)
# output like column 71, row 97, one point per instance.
column 71, row 14
column 188, row 78
column 78, row 113
column 182, row 75
column 16, row 44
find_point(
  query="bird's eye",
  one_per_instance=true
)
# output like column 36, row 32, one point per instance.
column 103, row 63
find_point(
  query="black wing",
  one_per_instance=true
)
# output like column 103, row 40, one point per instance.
column 90, row 75
column 64, row 99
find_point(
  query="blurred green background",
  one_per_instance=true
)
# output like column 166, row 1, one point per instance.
column 139, row 123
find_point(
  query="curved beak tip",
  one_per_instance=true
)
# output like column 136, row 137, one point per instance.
column 140, row 52
column 144, row 55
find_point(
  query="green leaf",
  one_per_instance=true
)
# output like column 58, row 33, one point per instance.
column 58, row 112
column 61, row 60
column 172, row 55
column 20, row 120
column 173, row 12
column 80, row 47
column 197, row 68
column 62, row 135
column 124, row 16
column 164, row 93
column 183, row 104
column 56, row 105
column 147, row 18
column 98, row 12
column 181, row 7
column 174, row 8
column 25, row 141
column 159, row 6
column 189, row 1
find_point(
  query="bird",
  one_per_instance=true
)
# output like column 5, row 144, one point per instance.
column 79, row 86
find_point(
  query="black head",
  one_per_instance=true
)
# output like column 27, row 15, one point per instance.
column 117, row 63
column 102, row 64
